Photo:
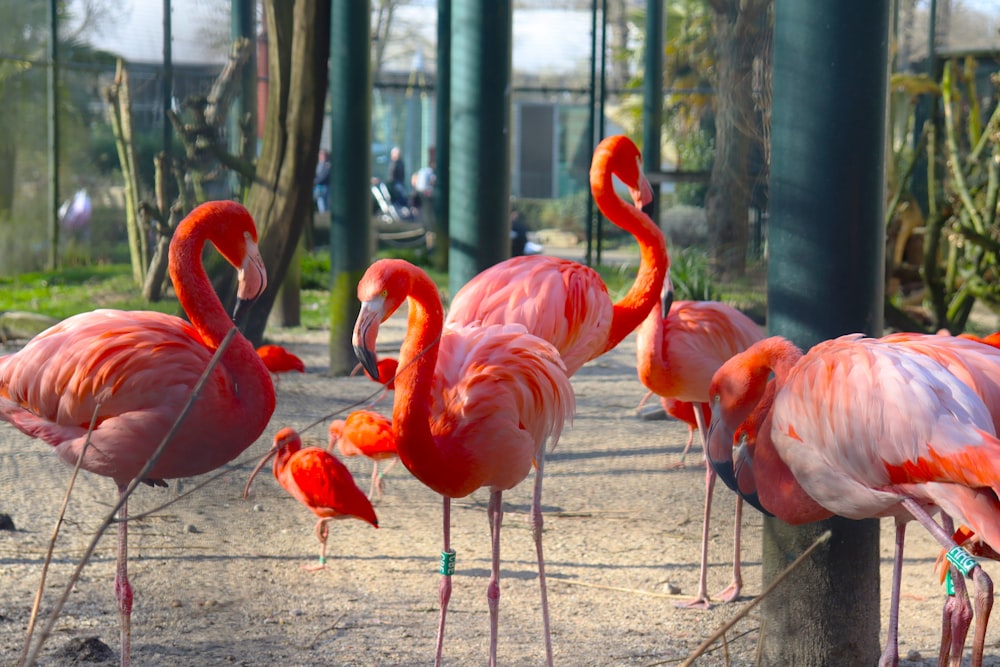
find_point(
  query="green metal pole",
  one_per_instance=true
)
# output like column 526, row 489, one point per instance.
column 652, row 101
column 52, row 112
column 351, row 240
column 479, row 169
column 442, row 169
column 167, row 90
column 592, row 128
column 825, row 278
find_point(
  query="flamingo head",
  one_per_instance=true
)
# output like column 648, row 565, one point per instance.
column 335, row 431
column 381, row 291
column 286, row 443
column 625, row 162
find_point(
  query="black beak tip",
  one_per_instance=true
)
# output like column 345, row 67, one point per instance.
column 648, row 208
column 726, row 472
column 754, row 500
column 367, row 360
column 241, row 313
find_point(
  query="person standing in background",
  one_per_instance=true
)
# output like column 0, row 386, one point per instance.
column 423, row 181
column 321, row 181
column 397, row 177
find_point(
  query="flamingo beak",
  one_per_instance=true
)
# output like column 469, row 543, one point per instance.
column 720, row 448
column 746, row 484
column 365, row 334
column 251, row 281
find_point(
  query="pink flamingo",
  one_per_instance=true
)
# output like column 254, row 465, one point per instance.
column 676, row 356
column 319, row 481
column 279, row 360
column 131, row 373
column 933, row 446
column 473, row 405
column 366, row 433
column 567, row 303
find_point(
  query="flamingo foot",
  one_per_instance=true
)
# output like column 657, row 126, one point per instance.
column 701, row 602
column 315, row 568
column 730, row 593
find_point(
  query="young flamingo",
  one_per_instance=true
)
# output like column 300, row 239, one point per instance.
column 473, row 406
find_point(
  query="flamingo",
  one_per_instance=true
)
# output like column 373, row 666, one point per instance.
column 676, row 356
column 367, row 433
column 473, row 406
column 567, row 303
column 131, row 373
column 873, row 428
column 279, row 360
column 681, row 411
column 319, row 481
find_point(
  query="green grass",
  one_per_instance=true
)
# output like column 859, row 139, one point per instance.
column 77, row 289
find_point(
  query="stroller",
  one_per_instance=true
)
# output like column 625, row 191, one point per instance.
column 397, row 226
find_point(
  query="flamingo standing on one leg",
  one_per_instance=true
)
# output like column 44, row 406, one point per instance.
column 366, row 433
column 932, row 444
column 676, row 356
column 319, row 481
column 137, row 369
column 473, row 405
column 567, row 303
column 279, row 360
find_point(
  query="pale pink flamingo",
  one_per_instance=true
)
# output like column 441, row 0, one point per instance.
column 366, row 433
column 137, row 370
column 932, row 445
column 319, row 481
column 676, row 356
column 473, row 405
column 567, row 303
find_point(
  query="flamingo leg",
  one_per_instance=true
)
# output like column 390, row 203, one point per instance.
column 732, row 591
column 123, row 590
column 322, row 533
column 890, row 655
column 956, row 616
column 536, row 531
column 377, row 479
column 444, row 588
column 493, row 589
column 981, row 583
column 702, row 601
column 376, row 486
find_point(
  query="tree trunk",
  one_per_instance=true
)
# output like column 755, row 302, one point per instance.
column 281, row 197
column 728, row 199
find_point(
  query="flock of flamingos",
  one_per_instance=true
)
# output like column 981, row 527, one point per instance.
column 902, row 426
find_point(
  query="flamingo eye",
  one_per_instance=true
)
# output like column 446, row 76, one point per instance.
column 385, row 293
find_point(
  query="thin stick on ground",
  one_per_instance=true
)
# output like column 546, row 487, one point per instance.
column 753, row 603
column 55, row 534
column 110, row 518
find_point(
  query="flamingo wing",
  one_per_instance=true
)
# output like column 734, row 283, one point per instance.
column 560, row 301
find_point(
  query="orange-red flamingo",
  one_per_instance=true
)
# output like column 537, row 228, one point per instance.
column 133, row 372
column 279, row 360
column 473, row 405
column 681, row 411
column 567, row 303
column 319, row 481
column 676, row 356
column 873, row 428
column 366, row 433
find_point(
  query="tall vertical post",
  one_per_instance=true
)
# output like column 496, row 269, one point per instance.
column 652, row 99
column 167, row 91
column 825, row 278
column 350, row 170
column 52, row 113
column 243, row 117
column 479, row 169
column 442, row 169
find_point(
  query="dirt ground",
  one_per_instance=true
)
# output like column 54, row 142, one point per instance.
column 218, row 580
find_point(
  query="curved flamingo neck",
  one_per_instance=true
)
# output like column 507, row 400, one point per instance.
column 633, row 307
column 191, row 283
column 255, row 399
column 652, row 365
column 411, row 413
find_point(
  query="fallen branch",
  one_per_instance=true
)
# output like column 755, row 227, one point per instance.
column 753, row 603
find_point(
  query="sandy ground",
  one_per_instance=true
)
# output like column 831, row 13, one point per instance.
column 218, row 579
